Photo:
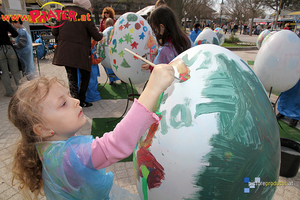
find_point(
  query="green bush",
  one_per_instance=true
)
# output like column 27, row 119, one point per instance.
column 232, row 39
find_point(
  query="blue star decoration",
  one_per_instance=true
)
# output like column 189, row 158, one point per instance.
column 142, row 36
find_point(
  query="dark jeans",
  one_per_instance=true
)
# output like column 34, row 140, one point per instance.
column 78, row 93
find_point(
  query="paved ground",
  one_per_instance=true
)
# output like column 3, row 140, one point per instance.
column 124, row 175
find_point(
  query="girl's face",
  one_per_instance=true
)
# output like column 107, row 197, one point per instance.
column 62, row 112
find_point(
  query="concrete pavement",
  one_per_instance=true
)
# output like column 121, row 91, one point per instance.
column 124, row 174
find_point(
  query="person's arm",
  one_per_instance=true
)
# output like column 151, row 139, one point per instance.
column 120, row 143
column 12, row 30
column 92, row 29
column 22, row 42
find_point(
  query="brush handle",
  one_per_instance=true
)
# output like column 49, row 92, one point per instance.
column 143, row 59
column 148, row 62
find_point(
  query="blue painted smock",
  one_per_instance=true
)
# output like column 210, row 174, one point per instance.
column 166, row 53
column 26, row 54
column 289, row 102
column 92, row 93
column 68, row 172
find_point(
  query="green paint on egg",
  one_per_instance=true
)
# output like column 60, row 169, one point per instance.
column 163, row 123
column 239, row 113
column 132, row 17
column 215, row 41
column 189, row 62
column 207, row 61
column 125, row 64
column 145, row 171
column 185, row 115
column 116, row 66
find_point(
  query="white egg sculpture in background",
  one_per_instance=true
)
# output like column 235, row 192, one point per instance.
column 133, row 32
column 217, row 132
column 207, row 36
column 261, row 37
column 277, row 63
column 102, row 50
column 220, row 34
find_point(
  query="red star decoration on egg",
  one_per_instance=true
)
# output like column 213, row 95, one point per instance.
column 121, row 28
column 134, row 45
column 127, row 25
column 135, row 58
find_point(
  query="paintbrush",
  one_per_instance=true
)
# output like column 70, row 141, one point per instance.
column 177, row 75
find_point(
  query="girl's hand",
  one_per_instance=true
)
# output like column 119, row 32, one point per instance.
column 145, row 66
column 160, row 79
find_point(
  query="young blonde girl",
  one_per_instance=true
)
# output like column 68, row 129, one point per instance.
column 50, row 156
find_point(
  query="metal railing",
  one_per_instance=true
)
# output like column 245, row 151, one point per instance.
column 42, row 32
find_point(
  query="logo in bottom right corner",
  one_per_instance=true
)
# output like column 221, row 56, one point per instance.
column 257, row 182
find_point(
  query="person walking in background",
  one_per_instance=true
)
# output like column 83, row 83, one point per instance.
column 235, row 28
column 74, row 48
column 8, row 57
column 169, row 35
column 107, row 12
column 258, row 29
column 23, row 46
column 286, row 26
column 195, row 32
column 225, row 28
column 241, row 28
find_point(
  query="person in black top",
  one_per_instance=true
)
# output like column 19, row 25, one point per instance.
column 9, row 61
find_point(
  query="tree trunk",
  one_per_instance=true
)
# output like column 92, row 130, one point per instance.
column 251, row 25
column 277, row 15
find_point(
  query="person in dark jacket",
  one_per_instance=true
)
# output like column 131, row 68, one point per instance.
column 8, row 57
column 74, row 48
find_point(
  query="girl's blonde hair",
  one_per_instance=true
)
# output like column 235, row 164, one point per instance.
column 110, row 11
column 24, row 111
column 109, row 22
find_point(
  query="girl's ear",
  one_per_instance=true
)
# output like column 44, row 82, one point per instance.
column 41, row 130
column 162, row 29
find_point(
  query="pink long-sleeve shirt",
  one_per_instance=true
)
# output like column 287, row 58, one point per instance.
column 120, row 143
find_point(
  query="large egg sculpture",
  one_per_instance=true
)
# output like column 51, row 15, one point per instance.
column 207, row 36
column 277, row 63
column 220, row 34
column 102, row 50
column 261, row 37
column 217, row 132
column 131, row 31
